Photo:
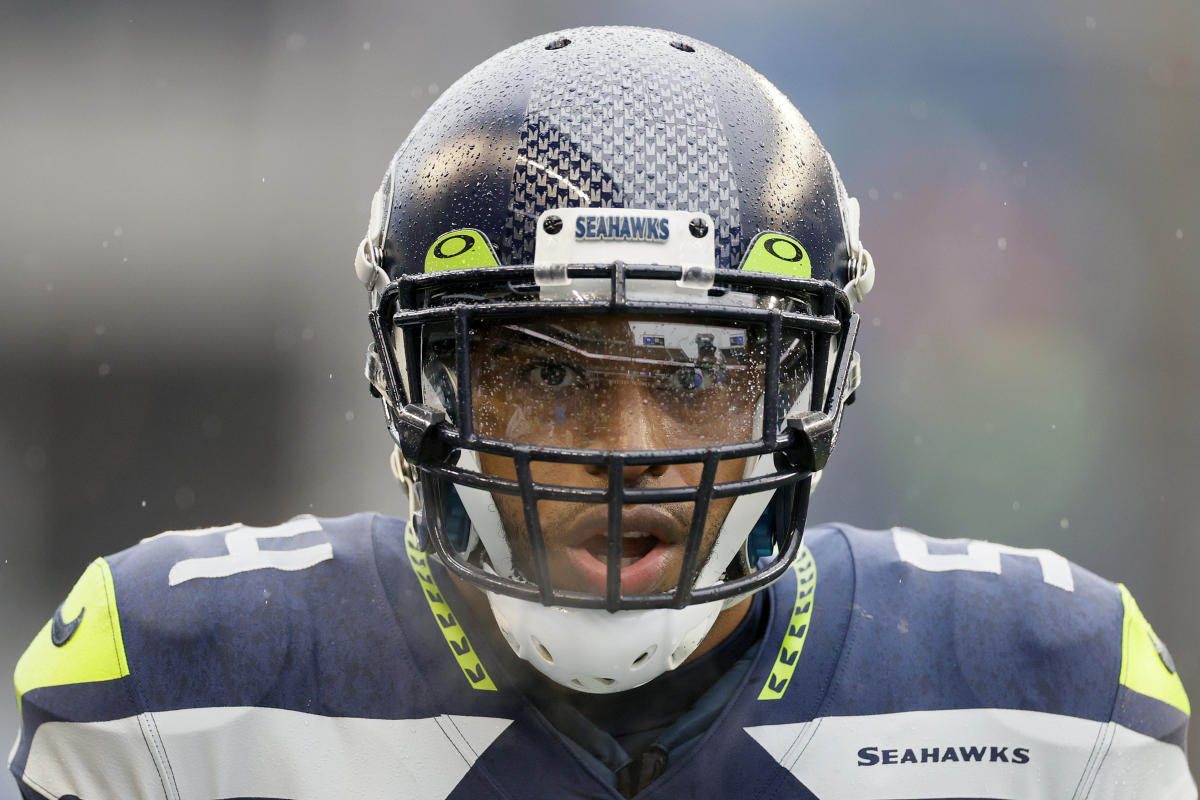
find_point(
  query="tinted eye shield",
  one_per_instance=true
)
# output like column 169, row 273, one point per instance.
column 800, row 443
column 580, row 381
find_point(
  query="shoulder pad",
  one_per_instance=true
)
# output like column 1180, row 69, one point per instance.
column 961, row 623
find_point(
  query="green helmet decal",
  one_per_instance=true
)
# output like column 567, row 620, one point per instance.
column 777, row 253
column 466, row 248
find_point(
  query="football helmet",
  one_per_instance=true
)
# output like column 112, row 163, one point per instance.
column 612, row 276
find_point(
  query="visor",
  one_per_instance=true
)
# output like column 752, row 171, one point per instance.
column 608, row 382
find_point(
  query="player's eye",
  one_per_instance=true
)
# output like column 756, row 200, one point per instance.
column 553, row 375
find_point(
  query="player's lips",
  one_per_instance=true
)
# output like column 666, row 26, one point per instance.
column 651, row 541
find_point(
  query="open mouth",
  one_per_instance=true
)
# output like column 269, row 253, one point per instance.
column 653, row 542
column 645, row 559
column 635, row 545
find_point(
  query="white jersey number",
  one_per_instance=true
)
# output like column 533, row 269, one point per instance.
column 980, row 557
column 245, row 555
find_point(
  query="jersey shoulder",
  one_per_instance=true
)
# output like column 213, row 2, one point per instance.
column 212, row 601
column 959, row 623
column 233, row 616
column 179, row 583
column 254, row 646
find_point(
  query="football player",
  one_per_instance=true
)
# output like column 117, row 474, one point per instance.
column 613, row 279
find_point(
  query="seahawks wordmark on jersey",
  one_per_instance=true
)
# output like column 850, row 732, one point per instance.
column 326, row 658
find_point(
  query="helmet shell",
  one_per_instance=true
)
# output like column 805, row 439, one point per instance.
column 612, row 117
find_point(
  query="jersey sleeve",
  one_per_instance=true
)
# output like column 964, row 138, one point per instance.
column 1022, row 643
column 81, row 723
column 1146, row 755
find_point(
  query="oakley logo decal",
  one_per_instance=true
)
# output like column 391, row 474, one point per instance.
column 777, row 253
column 459, row 243
column 783, row 249
column 465, row 248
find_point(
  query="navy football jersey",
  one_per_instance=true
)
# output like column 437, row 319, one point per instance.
column 327, row 658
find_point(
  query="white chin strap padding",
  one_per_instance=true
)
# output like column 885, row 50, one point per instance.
column 592, row 650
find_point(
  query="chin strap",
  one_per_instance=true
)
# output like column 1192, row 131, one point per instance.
column 597, row 651
column 587, row 649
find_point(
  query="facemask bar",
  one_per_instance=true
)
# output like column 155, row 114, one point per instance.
column 435, row 491
column 430, row 443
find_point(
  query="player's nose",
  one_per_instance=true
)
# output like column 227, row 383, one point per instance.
column 632, row 427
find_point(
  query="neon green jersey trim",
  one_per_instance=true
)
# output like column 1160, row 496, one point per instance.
column 779, row 254
column 455, row 637
column 789, row 652
column 462, row 249
column 1143, row 666
column 94, row 650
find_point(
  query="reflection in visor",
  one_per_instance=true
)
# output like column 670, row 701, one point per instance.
column 614, row 383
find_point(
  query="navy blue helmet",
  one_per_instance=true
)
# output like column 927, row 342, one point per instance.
column 612, row 276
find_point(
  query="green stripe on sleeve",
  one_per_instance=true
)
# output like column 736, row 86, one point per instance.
column 793, row 643
column 456, row 638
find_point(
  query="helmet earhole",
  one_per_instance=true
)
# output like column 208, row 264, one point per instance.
column 543, row 652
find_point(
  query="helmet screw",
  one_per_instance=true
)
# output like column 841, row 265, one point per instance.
column 552, row 224
column 698, row 227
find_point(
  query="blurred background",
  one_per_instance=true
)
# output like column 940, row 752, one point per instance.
column 184, row 184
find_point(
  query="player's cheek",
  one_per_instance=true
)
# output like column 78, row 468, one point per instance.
column 554, row 519
column 498, row 466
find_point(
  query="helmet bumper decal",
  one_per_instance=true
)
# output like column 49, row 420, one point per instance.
column 631, row 235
